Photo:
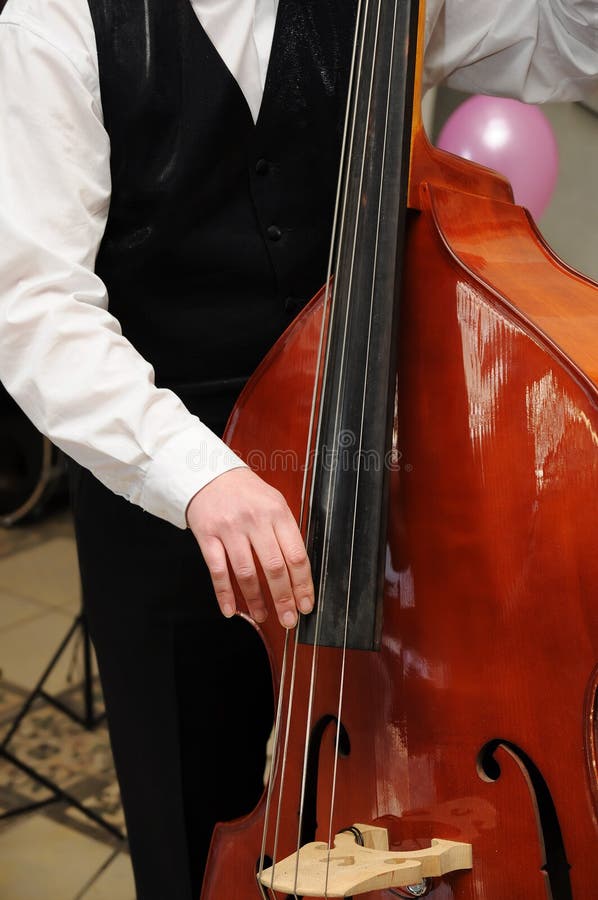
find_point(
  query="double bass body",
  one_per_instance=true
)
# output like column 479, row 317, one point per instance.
column 476, row 719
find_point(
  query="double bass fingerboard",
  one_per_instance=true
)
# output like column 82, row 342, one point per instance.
column 348, row 511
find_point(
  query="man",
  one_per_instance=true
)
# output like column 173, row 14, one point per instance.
column 167, row 179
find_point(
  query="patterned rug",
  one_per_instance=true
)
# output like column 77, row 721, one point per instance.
column 79, row 761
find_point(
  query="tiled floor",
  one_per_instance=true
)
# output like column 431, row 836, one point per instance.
column 53, row 853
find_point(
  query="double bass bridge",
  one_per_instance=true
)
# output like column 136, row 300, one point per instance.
column 349, row 869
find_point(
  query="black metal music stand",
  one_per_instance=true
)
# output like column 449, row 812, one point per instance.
column 89, row 720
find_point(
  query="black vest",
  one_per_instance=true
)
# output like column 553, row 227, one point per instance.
column 218, row 229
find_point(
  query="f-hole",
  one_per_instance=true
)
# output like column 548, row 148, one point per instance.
column 310, row 806
column 591, row 736
column 555, row 867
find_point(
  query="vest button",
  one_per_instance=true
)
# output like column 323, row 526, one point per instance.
column 262, row 167
column 274, row 233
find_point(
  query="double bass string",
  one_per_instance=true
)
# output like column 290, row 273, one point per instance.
column 328, row 303
column 363, row 405
column 360, row 38
column 335, row 253
column 364, row 393
column 336, row 244
column 275, row 756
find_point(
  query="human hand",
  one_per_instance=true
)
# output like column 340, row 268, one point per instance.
column 239, row 519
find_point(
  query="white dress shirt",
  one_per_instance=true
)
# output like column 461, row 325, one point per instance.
column 62, row 355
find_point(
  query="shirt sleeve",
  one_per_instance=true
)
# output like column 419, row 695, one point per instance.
column 535, row 50
column 63, row 356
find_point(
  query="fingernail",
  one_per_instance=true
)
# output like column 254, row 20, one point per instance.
column 228, row 611
column 260, row 615
column 289, row 620
column 306, row 606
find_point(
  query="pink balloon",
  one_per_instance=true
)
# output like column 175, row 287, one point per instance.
column 513, row 138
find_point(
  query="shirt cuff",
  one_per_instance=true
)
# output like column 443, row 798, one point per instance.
column 182, row 467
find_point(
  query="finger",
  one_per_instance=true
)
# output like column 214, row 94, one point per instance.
column 271, row 558
column 297, row 563
column 244, row 569
column 215, row 556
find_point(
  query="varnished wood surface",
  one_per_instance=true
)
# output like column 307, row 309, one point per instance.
column 490, row 636
column 500, row 245
column 477, row 719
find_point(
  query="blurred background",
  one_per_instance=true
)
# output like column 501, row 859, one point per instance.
column 569, row 221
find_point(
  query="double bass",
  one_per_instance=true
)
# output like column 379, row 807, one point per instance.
column 432, row 419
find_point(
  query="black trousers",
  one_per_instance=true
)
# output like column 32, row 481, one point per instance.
column 188, row 693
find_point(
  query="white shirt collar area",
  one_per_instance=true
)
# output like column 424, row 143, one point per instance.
column 245, row 48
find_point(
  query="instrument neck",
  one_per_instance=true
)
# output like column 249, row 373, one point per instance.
column 347, row 525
